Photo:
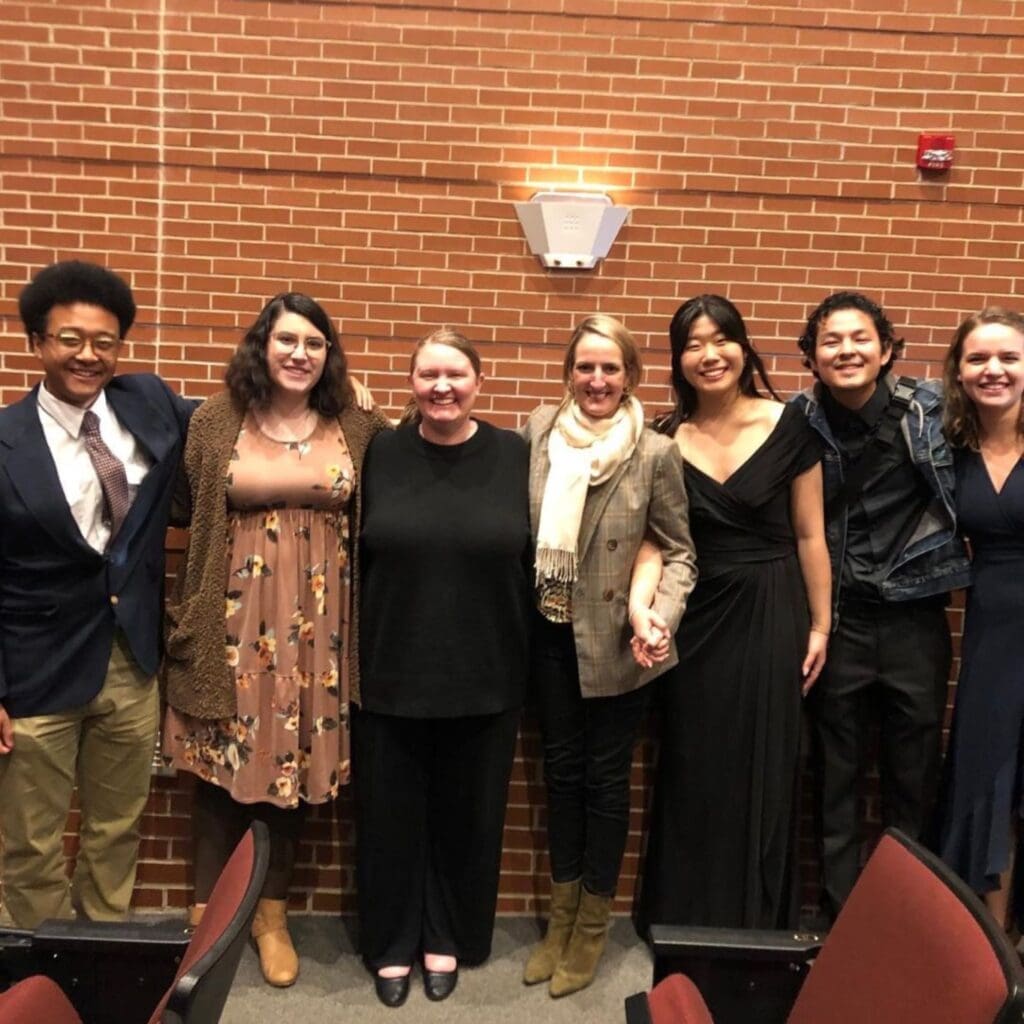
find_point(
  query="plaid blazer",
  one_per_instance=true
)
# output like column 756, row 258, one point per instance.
column 644, row 497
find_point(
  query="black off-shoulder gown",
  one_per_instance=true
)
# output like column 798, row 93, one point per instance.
column 721, row 848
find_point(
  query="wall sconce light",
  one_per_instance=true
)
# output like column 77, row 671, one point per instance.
column 570, row 230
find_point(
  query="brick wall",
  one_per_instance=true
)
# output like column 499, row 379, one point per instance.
column 217, row 151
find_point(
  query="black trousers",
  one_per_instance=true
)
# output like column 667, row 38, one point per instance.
column 430, row 811
column 588, row 753
column 218, row 824
column 889, row 661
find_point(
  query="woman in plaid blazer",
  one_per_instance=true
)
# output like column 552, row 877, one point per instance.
column 600, row 482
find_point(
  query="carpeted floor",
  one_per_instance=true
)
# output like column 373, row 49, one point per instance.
column 334, row 987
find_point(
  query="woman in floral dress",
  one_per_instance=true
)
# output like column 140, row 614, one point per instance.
column 259, row 648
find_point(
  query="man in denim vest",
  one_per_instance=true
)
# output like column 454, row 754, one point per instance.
column 890, row 525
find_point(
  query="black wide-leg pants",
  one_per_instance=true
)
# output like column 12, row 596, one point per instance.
column 430, row 810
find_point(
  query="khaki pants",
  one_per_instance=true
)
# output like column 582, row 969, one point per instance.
column 106, row 749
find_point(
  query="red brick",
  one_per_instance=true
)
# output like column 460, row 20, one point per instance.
column 767, row 153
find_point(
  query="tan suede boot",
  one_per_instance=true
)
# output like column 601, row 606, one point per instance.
column 565, row 898
column 586, row 944
column 278, row 960
column 195, row 914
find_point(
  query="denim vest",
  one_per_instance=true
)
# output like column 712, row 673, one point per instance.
column 934, row 560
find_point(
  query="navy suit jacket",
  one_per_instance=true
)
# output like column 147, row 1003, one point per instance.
column 60, row 600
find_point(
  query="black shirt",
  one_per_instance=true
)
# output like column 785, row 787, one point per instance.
column 445, row 599
column 893, row 496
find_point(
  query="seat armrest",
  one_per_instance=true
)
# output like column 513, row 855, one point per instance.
column 162, row 937
column 734, row 943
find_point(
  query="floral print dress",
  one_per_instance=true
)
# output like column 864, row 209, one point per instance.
column 286, row 616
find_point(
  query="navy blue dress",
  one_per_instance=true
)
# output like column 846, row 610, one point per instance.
column 983, row 768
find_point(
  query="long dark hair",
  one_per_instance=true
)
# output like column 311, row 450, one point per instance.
column 726, row 317
column 248, row 379
column 959, row 415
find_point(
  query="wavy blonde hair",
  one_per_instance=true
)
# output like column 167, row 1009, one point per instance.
column 612, row 330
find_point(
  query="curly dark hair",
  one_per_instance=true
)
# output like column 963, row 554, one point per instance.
column 959, row 415
column 851, row 300
column 248, row 379
column 71, row 281
column 726, row 317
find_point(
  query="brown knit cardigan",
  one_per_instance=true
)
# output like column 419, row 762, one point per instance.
column 198, row 679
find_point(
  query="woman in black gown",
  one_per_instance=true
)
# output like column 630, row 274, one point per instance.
column 721, row 849
column 979, row 835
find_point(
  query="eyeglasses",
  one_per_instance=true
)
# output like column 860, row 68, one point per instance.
column 73, row 339
column 313, row 345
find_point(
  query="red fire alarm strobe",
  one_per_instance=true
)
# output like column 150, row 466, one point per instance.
column 935, row 152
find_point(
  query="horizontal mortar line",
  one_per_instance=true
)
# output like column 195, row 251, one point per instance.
column 825, row 197
column 242, row 169
column 413, row 179
column 647, row 18
column 411, row 339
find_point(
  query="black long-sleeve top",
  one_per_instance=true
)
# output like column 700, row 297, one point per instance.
column 445, row 587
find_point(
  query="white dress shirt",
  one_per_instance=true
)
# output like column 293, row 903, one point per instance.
column 62, row 427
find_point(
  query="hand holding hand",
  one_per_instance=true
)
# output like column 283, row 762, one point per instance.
column 651, row 636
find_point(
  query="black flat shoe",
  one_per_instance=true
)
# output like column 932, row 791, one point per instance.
column 392, row 991
column 440, row 985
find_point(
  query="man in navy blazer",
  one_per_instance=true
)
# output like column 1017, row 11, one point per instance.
column 81, row 596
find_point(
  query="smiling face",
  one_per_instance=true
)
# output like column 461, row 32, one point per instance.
column 991, row 367
column 711, row 363
column 849, row 356
column 296, row 354
column 598, row 376
column 445, row 387
column 77, row 374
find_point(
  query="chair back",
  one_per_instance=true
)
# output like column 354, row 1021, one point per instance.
column 674, row 1000
column 207, row 970
column 912, row 944
column 36, row 1000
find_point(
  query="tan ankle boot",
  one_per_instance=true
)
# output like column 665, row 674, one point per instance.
column 586, row 944
column 278, row 960
column 195, row 914
column 565, row 898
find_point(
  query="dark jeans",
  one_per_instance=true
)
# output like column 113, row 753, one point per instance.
column 588, row 752
column 430, row 810
column 219, row 822
column 889, row 661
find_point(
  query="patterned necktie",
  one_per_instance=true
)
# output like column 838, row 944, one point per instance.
column 110, row 469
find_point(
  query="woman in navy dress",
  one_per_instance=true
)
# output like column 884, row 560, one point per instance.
column 984, row 380
column 722, row 843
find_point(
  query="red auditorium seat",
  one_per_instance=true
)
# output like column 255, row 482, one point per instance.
column 207, row 970
column 912, row 945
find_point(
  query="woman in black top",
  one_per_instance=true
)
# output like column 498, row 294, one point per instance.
column 445, row 551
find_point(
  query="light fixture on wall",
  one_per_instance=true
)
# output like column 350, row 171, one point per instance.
column 570, row 230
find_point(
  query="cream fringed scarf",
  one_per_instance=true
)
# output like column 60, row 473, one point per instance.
column 583, row 452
